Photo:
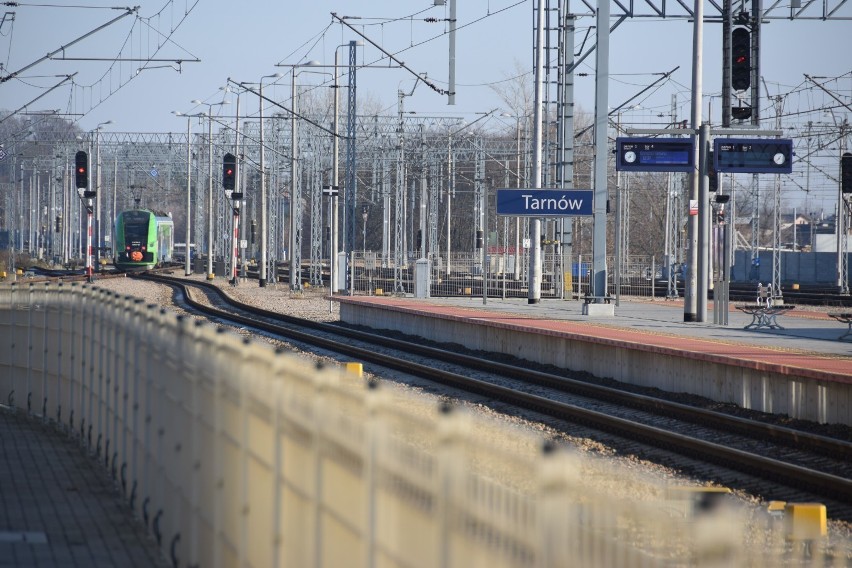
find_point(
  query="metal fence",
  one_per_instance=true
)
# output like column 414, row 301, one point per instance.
column 234, row 455
column 502, row 275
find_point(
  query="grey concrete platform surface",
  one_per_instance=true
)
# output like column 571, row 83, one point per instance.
column 58, row 508
column 808, row 329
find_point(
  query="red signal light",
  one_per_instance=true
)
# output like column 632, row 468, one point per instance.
column 740, row 59
column 81, row 162
column 229, row 167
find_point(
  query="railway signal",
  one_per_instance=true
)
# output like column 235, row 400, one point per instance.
column 229, row 171
column 740, row 59
column 81, row 169
column 846, row 172
column 712, row 176
column 741, row 113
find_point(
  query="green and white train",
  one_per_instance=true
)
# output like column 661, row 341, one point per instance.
column 143, row 240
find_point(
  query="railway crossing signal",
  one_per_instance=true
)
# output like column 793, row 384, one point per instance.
column 81, row 170
column 846, row 172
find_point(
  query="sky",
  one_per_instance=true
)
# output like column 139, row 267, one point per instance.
column 244, row 41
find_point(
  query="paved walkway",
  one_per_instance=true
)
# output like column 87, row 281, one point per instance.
column 58, row 508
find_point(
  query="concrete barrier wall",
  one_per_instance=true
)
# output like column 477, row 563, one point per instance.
column 233, row 455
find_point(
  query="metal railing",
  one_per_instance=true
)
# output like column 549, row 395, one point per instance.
column 232, row 454
column 464, row 276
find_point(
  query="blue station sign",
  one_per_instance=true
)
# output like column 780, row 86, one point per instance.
column 654, row 154
column 545, row 202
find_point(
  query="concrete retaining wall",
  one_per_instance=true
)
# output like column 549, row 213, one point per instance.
column 747, row 384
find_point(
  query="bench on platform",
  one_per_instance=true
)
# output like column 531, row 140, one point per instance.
column 844, row 317
column 763, row 316
column 587, row 299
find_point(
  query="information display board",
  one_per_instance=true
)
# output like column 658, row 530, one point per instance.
column 753, row 155
column 654, row 154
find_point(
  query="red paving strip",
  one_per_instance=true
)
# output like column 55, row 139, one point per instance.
column 836, row 368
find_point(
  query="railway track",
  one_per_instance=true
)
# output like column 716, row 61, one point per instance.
column 775, row 462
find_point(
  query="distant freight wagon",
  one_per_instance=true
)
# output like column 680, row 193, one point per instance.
column 143, row 240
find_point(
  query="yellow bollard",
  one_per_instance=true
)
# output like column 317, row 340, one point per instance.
column 776, row 509
column 379, row 292
column 211, row 276
column 355, row 368
column 805, row 521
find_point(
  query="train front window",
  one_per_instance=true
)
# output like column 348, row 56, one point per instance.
column 136, row 229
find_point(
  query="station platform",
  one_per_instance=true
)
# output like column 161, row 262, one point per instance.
column 803, row 370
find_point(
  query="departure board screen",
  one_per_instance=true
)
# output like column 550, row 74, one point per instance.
column 753, row 155
column 655, row 154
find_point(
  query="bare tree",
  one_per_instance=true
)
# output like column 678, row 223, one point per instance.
column 516, row 90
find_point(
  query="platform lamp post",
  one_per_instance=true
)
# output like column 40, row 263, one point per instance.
column 336, row 159
column 187, row 264
column 295, row 245
column 335, row 184
column 517, row 263
column 209, row 183
column 263, row 276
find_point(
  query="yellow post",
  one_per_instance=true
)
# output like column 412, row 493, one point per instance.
column 805, row 521
column 355, row 368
